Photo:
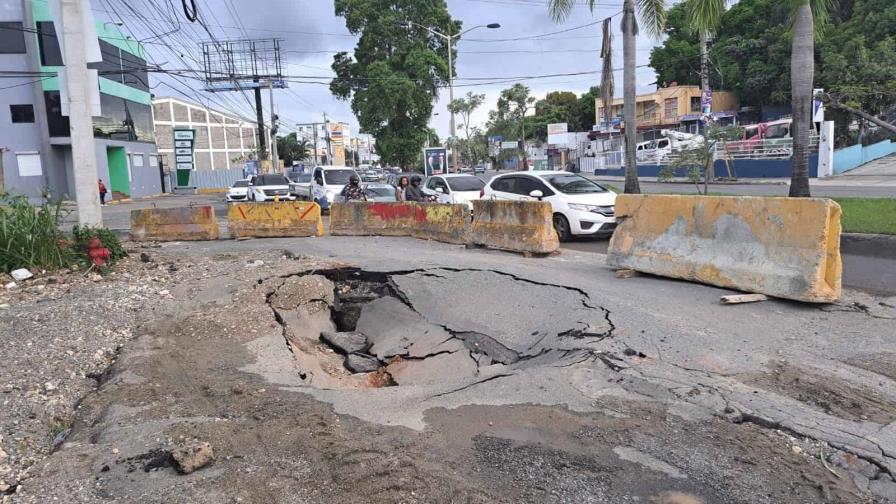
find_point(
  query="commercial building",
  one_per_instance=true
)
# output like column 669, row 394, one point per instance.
column 222, row 140
column 34, row 134
column 328, row 140
column 673, row 107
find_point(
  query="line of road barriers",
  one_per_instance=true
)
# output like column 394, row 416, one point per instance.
column 782, row 247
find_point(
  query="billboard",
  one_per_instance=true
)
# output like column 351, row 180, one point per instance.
column 557, row 133
column 337, row 144
column 435, row 161
column 509, row 145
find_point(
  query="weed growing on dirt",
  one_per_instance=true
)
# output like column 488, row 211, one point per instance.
column 30, row 236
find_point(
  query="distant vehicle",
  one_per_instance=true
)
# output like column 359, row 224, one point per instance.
column 376, row 192
column 269, row 187
column 238, row 191
column 480, row 168
column 454, row 188
column 653, row 150
column 300, row 186
column 293, row 173
column 370, row 176
column 394, row 178
column 327, row 182
column 580, row 206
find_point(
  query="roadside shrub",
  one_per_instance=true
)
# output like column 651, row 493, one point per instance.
column 30, row 236
column 81, row 236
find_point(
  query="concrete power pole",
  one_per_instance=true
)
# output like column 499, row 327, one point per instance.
column 80, row 118
column 275, row 160
column 259, row 118
column 329, row 147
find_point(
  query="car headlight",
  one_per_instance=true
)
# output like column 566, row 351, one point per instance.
column 583, row 208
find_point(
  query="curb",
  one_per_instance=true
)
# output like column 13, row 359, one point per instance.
column 868, row 245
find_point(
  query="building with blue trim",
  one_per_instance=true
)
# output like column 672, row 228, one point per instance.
column 34, row 135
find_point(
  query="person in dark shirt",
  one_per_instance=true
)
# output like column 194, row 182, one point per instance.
column 353, row 190
column 413, row 191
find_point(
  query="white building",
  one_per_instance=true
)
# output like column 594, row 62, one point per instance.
column 222, row 141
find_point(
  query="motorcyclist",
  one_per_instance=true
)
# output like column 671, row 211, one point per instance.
column 414, row 192
column 353, row 190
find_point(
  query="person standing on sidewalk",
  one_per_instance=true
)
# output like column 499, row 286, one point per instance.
column 102, row 188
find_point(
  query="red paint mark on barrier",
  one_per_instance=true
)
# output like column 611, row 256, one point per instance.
column 207, row 211
column 241, row 211
column 310, row 208
column 394, row 211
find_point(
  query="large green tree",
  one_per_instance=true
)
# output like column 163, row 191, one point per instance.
column 556, row 107
column 464, row 107
column 513, row 105
column 653, row 17
column 587, row 113
column 395, row 72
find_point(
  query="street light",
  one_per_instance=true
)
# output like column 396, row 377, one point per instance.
column 451, row 39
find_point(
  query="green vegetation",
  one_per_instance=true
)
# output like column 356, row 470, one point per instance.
column 868, row 215
column 29, row 236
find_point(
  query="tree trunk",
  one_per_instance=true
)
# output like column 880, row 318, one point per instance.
column 802, row 70
column 628, row 97
column 864, row 115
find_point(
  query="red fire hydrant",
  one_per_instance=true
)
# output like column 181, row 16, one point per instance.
column 97, row 253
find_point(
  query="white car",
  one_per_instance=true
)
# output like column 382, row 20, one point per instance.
column 328, row 181
column 300, row 185
column 455, row 188
column 580, row 206
column 239, row 191
column 269, row 187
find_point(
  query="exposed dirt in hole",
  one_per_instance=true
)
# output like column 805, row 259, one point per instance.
column 353, row 328
column 827, row 393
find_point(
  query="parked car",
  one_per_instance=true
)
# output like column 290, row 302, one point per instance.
column 300, row 186
column 238, row 191
column 480, row 168
column 370, row 176
column 454, row 188
column 327, row 182
column 269, row 187
column 580, row 206
column 376, row 192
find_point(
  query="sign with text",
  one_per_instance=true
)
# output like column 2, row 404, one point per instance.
column 509, row 145
column 557, row 133
column 183, row 141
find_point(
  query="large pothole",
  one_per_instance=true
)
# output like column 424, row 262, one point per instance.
column 353, row 328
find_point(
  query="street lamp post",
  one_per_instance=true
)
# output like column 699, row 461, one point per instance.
column 451, row 39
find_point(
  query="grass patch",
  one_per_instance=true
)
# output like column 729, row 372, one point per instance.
column 868, row 215
column 29, row 236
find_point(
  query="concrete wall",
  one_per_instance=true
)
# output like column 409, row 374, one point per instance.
column 852, row 157
column 741, row 168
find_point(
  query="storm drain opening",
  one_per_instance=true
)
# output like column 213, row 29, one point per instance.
column 351, row 328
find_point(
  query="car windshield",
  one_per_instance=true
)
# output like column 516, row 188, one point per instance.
column 465, row 183
column 337, row 177
column 570, row 183
column 241, row 183
column 381, row 192
column 265, row 180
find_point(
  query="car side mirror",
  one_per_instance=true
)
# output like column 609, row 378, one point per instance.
column 537, row 194
column 439, row 190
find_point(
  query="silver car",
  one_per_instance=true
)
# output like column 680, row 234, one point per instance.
column 376, row 192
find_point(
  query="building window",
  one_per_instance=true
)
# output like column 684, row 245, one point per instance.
column 671, row 107
column 12, row 38
column 22, row 113
column 695, row 104
column 57, row 124
column 50, row 55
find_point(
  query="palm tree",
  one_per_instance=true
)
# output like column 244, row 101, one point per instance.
column 809, row 19
column 653, row 17
column 303, row 149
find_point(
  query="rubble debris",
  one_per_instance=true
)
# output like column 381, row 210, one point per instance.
column 21, row 274
column 362, row 363
column 743, row 298
column 345, row 342
column 144, row 257
column 626, row 273
column 192, row 456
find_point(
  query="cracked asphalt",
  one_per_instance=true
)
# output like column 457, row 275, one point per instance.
column 624, row 390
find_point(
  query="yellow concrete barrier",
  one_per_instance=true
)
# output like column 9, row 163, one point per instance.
column 269, row 220
column 429, row 221
column 783, row 247
column 174, row 224
column 521, row 226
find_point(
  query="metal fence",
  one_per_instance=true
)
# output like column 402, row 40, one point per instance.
column 210, row 179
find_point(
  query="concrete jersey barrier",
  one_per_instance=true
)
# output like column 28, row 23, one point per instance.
column 174, row 224
column 521, row 226
column 430, row 221
column 783, row 247
column 271, row 220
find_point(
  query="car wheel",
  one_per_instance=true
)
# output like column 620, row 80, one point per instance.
column 561, row 225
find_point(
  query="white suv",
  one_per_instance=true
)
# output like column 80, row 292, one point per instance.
column 580, row 206
column 455, row 188
column 269, row 187
column 328, row 181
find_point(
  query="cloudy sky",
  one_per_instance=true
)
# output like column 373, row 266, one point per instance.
column 311, row 33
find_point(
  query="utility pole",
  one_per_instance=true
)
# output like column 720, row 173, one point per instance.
column 327, row 132
column 259, row 118
column 450, row 101
column 80, row 117
column 275, row 161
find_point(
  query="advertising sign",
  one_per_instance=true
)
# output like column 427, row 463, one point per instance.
column 183, row 140
column 337, row 144
column 509, row 145
column 557, row 133
column 435, row 161
column 817, row 106
column 706, row 102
